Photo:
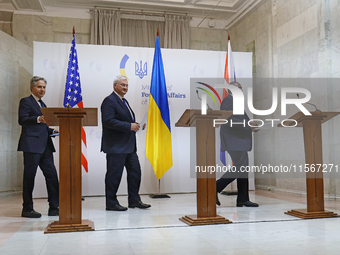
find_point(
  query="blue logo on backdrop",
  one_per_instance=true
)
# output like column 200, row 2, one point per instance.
column 141, row 70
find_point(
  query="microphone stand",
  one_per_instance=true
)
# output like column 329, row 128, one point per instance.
column 316, row 109
column 209, row 108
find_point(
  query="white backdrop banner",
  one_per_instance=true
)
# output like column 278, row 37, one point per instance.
column 98, row 66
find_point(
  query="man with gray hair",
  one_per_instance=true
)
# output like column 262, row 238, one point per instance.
column 36, row 143
column 119, row 144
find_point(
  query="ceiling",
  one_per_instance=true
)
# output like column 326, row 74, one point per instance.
column 228, row 10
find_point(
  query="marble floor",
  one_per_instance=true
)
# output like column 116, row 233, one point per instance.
column 256, row 231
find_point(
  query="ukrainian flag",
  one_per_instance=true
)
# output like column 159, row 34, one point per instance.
column 158, row 135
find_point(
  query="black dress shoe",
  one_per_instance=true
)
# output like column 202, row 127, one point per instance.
column 31, row 214
column 117, row 207
column 53, row 212
column 247, row 204
column 217, row 201
column 139, row 204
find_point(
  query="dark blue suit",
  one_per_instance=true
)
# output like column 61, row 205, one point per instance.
column 119, row 144
column 237, row 141
column 38, row 150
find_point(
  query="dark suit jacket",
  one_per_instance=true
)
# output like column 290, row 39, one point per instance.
column 237, row 137
column 34, row 136
column 116, row 121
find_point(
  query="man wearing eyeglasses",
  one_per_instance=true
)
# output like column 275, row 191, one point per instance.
column 119, row 143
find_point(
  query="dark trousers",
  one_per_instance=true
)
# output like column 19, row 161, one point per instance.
column 45, row 162
column 114, row 171
column 239, row 158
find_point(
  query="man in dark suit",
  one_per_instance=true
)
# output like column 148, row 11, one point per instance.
column 119, row 144
column 36, row 143
column 237, row 141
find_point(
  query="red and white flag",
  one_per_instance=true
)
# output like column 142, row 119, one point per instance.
column 229, row 71
column 229, row 76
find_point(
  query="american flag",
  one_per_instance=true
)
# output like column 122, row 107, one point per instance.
column 73, row 89
column 73, row 93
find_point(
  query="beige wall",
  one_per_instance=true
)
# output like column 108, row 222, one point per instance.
column 294, row 39
column 208, row 39
column 16, row 66
column 29, row 28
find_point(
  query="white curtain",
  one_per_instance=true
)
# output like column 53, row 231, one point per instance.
column 141, row 32
column 177, row 32
column 106, row 27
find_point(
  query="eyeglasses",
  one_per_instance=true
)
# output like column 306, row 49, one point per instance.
column 124, row 85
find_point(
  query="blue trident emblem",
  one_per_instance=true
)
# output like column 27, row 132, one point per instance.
column 139, row 71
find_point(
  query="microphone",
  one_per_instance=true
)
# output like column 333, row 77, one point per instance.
column 209, row 108
column 316, row 109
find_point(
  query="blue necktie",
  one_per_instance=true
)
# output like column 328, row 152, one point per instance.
column 42, row 105
column 126, row 104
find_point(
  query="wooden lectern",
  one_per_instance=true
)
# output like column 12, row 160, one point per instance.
column 205, row 152
column 313, row 154
column 70, row 121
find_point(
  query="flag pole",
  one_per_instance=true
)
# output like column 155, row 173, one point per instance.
column 230, row 192
column 159, row 195
column 74, row 32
